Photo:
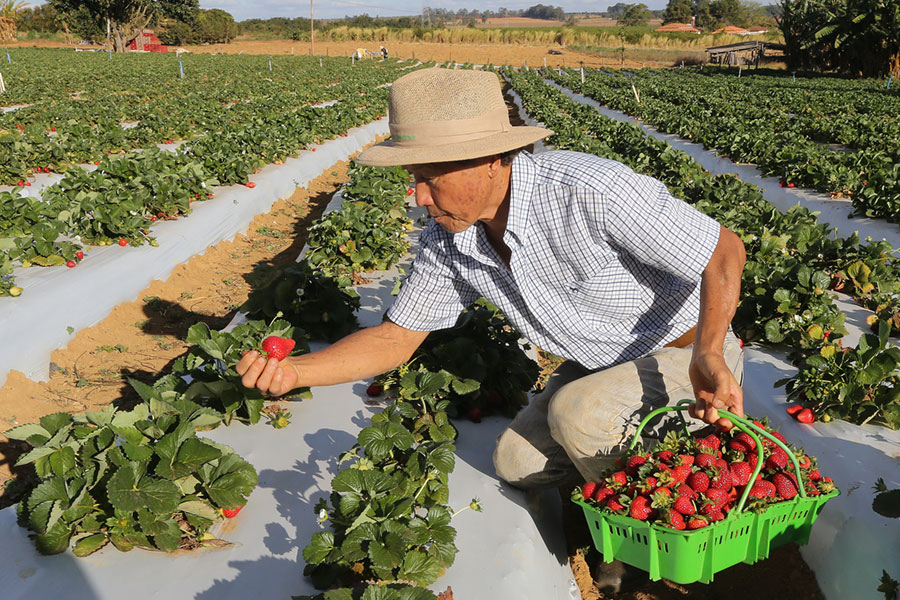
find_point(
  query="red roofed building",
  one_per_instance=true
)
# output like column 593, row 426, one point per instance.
column 732, row 30
column 147, row 42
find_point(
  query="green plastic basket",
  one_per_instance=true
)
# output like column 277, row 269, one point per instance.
column 689, row 556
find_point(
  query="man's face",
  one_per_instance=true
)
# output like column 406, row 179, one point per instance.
column 455, row 196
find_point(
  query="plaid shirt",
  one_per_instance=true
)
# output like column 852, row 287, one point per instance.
column 605, row 267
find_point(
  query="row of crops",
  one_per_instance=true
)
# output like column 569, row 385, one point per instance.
column 792, row 263
column 837, row 136
column 232, row 114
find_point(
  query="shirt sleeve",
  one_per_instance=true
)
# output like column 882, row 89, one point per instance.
column 643, row 218
column 431, row 297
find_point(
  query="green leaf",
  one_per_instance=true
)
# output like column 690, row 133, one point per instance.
column 465, row 386
column 23, row 432
column 319, row 548
column 418, row 567
column 128, row 492
column 199, row 508
column 89, row 544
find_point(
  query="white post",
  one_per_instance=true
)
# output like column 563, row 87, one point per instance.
column 636, row 96
column 2, row 85
column 545, row 62
column 582, row 74
column 739, row 71
column 320, row 61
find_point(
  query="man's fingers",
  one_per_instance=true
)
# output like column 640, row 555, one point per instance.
column 253, row 371
column 265, row 378
column 246, row 361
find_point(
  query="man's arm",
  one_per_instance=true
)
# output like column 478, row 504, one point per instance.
column 366, row 353
column 714, row 384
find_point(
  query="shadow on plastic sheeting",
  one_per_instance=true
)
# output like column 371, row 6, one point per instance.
column 268, row 577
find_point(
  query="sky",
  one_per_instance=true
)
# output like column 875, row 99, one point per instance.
column 264, row 9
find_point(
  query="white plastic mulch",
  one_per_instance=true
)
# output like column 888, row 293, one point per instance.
column 56, row 299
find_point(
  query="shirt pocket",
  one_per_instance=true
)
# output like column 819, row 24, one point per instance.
column 610, row 295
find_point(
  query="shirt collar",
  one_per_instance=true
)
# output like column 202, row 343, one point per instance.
column 522, row 182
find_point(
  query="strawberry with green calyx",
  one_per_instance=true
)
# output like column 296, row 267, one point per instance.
column 230, row 513
column 588, row 489
column 698, row 481
column 617, row 480
column 665, row 456
column 633, row 462
column 697, row 522
column 784, row 487
column 375, row 389
column 674, row 519
column 684, row 505
column 717, row 497
column 602, row 494
column 276, row 347
column 615, row 503
column 805, row 416
column 777, row 461
column 704, row 460
column 740, row 472
column 641, row 508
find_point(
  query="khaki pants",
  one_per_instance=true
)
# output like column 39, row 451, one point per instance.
column 581, row 422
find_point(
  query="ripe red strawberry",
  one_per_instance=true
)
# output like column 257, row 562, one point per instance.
column 614, row 505
column 686, row 490
column 715, row 515
column 123, row 242
column 675, row 520
column 603, row 493
column 804, row 461
column 250, row 184
column 588, row 489
column 665, row 456
column 698, row 481
column 697, row 523
column 475, row 414
column 680, row 473
column 791, row 184
column 740, row 472
column 710, row 441
column 685, row 459
column 760, row 491
column 778, row 460
column 70, row 263
column 793, row 409
column 766, row 485
column 746, row 439
column 705, row 460
column 231, row 512
column 778, row 437
column 814, row 475
column 277, row 347
column 633, row 462
column 640, row 508
column 717, row 496
column 79, row 255
column 805, row 416
column 617, row 479
column 684, row 505
column 374, row 389
column 738, row 446
column 721, row 480
column 410, row 192
column 53, row 129
column 784, row 487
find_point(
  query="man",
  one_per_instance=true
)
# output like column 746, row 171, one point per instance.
column 586, row 258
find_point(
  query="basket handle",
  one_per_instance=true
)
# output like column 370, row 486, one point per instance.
column 744, row 425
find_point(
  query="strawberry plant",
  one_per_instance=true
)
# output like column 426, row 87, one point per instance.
column 211, row 365
column 138, row 478
column 859, row 385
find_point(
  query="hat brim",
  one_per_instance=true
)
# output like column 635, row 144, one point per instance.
column 387, row 154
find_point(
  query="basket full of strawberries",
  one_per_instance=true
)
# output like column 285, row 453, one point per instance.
column 694, row 506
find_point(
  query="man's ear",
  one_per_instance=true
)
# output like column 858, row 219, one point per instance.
column 494, row 165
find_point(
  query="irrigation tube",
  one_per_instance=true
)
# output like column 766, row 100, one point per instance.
column 56, row 299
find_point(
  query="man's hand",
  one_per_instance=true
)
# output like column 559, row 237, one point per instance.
column 714, row 387
column 268, row 376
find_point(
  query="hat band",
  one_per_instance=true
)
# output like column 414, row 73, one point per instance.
column 439, row 133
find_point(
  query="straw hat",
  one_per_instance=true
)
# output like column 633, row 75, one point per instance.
column 440, row 115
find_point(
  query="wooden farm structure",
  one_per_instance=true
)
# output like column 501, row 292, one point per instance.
column 744, row 53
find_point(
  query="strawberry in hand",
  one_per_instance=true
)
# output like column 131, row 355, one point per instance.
column 277, row 347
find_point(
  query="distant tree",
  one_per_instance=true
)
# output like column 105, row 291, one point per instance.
column 126, row 18
column 216, row 26
column 729, row 12
column 42, row 18
column 678, row 11
column 616, row 10
column 635, row 14
column 550, row 13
